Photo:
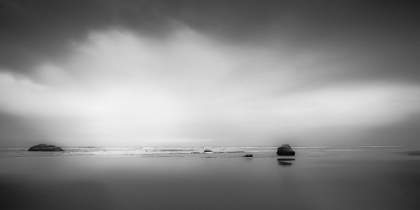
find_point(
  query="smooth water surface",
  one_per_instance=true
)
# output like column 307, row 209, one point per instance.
column 316, row 179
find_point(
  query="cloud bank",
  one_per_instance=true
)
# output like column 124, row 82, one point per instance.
column 208, row 73
column 119, row 88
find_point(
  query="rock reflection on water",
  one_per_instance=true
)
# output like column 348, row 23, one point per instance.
column 285, row 161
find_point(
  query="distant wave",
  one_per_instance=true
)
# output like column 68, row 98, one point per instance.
column 313, row 147
column 380, row 146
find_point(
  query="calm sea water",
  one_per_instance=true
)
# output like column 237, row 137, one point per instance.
column 186, row 178
column 186, row 151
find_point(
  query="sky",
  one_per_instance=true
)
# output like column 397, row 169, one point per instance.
column 209, row 73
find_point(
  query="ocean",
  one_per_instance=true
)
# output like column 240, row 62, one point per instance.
column 359, row 177
column 189, row 151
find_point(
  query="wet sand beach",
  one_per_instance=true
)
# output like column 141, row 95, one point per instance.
column 314, row 180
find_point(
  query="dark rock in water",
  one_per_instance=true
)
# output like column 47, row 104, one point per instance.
column 208, row 151
column 45, row 148
column 285, row 150
column 248, row 155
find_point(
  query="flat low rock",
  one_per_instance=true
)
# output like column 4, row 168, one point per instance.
column 45, row 148
column 285, row 150
column 248, row 155
column 208, row 151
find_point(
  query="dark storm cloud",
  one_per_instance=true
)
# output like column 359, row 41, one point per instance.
column 370, row 39
column 33, row 31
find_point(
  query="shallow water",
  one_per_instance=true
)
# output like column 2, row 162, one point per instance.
column 318, row 178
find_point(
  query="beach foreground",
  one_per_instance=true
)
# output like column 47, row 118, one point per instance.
column 316, row 179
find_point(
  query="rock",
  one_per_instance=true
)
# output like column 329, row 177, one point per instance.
column 248, row 155
column 208, row 151
column 285, row 150
column 45, row 148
